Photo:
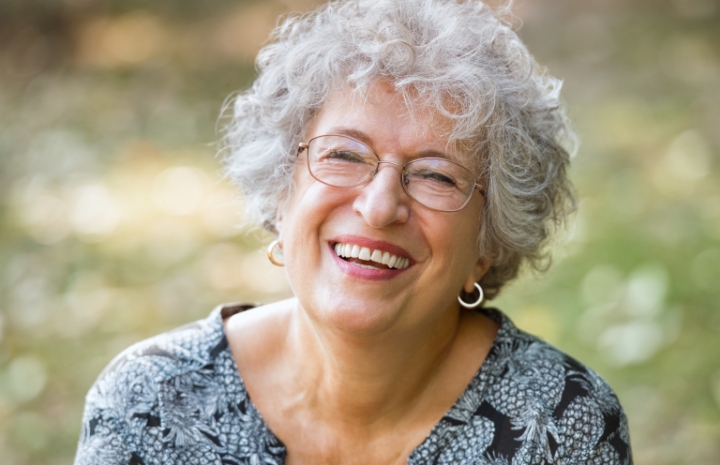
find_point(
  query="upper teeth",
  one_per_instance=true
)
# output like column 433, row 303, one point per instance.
column 377, row 256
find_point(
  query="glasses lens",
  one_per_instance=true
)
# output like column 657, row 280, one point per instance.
column 340, row 161
column 438, row 183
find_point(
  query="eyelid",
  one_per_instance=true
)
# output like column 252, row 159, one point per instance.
column 364, row 139
column 358, row 137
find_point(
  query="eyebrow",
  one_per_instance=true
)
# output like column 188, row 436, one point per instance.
column 354, row 133
column 367, row 140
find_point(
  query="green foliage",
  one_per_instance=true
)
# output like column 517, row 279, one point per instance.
column 115, row 224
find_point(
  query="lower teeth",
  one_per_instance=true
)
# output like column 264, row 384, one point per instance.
column 367, row 266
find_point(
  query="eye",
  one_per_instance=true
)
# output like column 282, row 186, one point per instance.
column 341, row 155
column 433, row 177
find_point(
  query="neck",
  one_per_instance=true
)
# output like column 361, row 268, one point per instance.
column 367, row 379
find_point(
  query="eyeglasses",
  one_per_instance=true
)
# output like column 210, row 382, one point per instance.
column 437, row 183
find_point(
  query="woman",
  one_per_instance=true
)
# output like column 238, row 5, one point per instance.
column 411, row 156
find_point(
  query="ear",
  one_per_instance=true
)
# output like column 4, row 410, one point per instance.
column 278, row 226
column 481, row 267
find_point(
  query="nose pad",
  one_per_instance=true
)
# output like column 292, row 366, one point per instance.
column 401, row 167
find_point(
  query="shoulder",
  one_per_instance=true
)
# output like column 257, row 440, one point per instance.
column 555, row 406
column 254, row 336
column 125, row 411
column 170, row 354
column 530, row 403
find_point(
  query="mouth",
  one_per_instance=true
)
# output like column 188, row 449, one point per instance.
column 369, row 258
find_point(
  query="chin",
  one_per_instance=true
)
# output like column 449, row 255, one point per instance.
column 361, row 318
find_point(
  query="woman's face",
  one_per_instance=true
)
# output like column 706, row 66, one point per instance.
column 362, row 296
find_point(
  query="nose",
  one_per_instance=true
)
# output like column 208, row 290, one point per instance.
column 383, row 201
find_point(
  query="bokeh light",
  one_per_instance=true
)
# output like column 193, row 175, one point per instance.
column 116, row 224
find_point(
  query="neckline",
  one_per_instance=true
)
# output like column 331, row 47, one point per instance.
column 459, row 412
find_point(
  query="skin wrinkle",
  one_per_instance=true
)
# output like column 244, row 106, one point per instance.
column 505, row 108
column 366, row 367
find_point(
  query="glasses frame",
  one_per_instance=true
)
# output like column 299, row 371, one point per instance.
column 304, row 146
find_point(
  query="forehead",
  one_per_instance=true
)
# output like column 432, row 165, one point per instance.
column 385, row 120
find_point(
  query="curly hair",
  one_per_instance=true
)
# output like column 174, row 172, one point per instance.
column 462, row 58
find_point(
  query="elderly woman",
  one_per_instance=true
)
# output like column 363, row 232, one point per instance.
column 411, row 156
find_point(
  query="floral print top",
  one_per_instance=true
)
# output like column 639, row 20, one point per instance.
column 178, row 398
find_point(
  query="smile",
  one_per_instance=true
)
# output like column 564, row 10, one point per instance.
column 364, row 256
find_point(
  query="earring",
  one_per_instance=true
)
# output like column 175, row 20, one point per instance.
column 477, row 302
column 271, row 250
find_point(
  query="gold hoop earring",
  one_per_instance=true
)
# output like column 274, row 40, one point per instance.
column 477, row 302
column 271, row 251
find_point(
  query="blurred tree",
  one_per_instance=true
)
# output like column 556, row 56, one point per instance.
column 115, row 223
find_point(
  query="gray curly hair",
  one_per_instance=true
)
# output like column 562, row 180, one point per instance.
column 460, row 57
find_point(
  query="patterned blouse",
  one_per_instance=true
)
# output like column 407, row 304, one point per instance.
column 178, row 398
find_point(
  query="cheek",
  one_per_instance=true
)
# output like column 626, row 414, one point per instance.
column 297, row 208
column 312, row 207
column 461, row 237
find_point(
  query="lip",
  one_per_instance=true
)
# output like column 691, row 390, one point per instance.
column 364, row 273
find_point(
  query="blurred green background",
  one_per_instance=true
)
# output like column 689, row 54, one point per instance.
column 115, row 223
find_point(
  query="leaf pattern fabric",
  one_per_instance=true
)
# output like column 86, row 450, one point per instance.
column 178, row 398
